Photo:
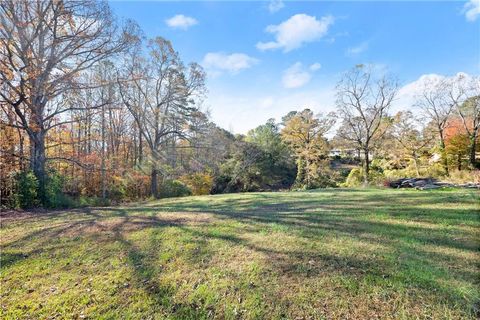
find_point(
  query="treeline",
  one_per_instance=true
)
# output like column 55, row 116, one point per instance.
column 92, row 112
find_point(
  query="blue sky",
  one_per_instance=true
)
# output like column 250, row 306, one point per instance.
column 264, row 59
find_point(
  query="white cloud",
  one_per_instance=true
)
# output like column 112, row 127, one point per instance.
column 181, row 22
column 316, row 66
column 297, row 76
column 472, row 10
column 353, row 51
column 408, row 93
column 297, row 30
column 217, row 62
column 275, row 5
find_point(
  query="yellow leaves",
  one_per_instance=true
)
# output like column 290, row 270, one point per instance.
column 199, row 183
column 303, row 133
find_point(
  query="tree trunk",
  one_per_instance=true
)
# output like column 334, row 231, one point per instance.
column 140, row 147
column 473, row 147
column 37, row 162
column 307, row 172
column 459, row 162
column 104, row 185
column 300, row 178
column 415, row 162
column 443, row 153
column 154, row 182
column 21, row 151
column 366, row 166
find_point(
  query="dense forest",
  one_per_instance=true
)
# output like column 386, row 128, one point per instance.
column 93, row 113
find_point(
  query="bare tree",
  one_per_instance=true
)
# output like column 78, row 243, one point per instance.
column 437, row 101
column 464, row 93
column 411, row 134
column 362, row 103
column 44, row 47
column 161, row 95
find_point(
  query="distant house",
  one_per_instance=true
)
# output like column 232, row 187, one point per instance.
column 349, row 153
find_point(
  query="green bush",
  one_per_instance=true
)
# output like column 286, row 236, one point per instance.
column 376, row 176
column 54, row 191
column 435, row 170
column 174, row 188
column 89, row 202
column 26, row 186
column 354, row 178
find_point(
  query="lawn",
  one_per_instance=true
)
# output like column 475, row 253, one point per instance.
column 323, row 254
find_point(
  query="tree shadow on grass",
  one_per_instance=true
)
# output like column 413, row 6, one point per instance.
column 95, row 227
column 307, row 219
column 311, row 264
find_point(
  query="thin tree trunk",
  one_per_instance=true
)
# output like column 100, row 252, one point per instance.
column 104, row 186
column 37, row 162
column 366, row 166
column 154, row 182
column 140, row 147
column 21, row 150
column 415, row 162
column 443, row 153
column 473, row 147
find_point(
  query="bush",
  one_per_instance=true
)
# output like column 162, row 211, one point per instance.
column 354, row 178
column 137, row 185
column 26, row 186
column 199, row 183
column 221, row 183
column 116, row 188
column 464, row 176
column 89, row 202
column 435, row 170
column 174, row 188
column 54, row 191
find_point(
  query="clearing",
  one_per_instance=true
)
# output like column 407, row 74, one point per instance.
column 323, row 254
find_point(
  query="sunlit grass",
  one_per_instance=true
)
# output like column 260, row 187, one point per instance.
column 358, row 254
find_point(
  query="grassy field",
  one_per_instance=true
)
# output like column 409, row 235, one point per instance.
column 326, row 254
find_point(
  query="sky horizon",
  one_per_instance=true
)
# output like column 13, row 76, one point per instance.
column 266, row 58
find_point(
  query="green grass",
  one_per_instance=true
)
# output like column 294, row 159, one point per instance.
column 326, row 254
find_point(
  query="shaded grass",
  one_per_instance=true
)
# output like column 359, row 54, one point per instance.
column 324, row 254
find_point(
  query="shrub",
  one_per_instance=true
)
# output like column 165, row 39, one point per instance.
column 354, row 178
column 375, row 177
column 464, row 176
column 116, row 188
column 54, row 191
column 174, row 188
column 435, row 170
column 137, row 185
column 198, row 183
column 221, row 183
column 26, row 186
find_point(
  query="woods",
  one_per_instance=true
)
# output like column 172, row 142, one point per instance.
column 94, row 112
